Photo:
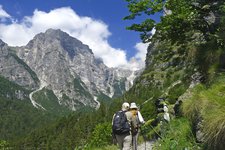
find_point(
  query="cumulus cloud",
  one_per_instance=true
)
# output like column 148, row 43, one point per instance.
column 141, row 51
column 90, row 31
column 3, row 13
column 138, row 61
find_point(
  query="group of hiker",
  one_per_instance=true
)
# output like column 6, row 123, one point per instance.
column 126, row 126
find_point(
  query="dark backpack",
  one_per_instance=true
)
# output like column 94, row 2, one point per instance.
column 120, row 123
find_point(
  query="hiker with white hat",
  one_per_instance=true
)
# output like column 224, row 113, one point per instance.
column 137, row 120
column 121, row 127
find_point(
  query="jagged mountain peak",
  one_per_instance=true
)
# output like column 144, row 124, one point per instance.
column 51, row 31
column 60, row 39
column 68, row 68
column 53, row 34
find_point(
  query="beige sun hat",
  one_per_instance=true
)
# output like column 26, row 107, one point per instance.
column 125, row 106
column 133, row 106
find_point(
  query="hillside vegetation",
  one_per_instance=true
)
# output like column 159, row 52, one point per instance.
column 18, row 115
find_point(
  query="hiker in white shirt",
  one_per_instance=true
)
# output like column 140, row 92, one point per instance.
column 137, row 120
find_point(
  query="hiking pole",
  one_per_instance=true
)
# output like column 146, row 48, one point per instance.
column 143, row 137
column 155, row 131
column 146, row 101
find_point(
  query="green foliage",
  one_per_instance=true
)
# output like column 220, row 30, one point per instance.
column 104, row 98
column 168, row 75
column 19, row 117
column 119, row 87
column 187, row 29
column 148, row 110
column 138, row 8
column 177, row 135
column 108, row 147
column 79, row 87
column 151, row 129
column 8, row 89
column 47, row 99
column 71, row 132
column 208, row 57
column 179, row 19
column 3, row 145
column 209, row 105
column 192, row 111
column 176, row 91
column 102, row 135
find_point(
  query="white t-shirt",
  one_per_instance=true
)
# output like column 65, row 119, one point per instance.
column 141, row 119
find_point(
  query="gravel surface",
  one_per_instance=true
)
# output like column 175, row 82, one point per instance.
column 146, row 145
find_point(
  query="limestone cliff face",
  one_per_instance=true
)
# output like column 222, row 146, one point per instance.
column 69, row 68
column 14, row 69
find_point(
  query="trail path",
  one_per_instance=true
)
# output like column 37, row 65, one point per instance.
column 146, row 145
column 35, row 104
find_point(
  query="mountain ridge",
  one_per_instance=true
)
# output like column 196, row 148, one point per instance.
column 69, row 68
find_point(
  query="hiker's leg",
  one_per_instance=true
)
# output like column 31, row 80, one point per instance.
column 134, row 143
column 119, row 139
column 127, row 142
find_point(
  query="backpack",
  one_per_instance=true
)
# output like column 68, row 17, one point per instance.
column 120, row 123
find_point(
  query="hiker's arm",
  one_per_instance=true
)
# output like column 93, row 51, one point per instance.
column 141, row 119
column 113, row 118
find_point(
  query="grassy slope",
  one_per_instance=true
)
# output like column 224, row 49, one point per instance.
column 49, row 101
column 209, row 105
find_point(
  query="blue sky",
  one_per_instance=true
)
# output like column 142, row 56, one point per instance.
column 97, row 23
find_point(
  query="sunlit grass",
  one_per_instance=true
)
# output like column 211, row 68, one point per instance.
column 193, row 105
column 178, row 136
column 209, row 104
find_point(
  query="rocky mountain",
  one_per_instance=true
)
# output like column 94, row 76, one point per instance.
column 55, row 61
column 14, row 69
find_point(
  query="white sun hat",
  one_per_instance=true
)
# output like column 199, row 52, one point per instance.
column 133, row 106
column 125, row 106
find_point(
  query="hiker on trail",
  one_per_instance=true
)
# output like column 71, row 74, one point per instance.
column 137, row 120
column 165, row 120
column 121, row 126
column 166, row 115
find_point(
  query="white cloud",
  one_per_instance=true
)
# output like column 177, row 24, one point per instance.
column 3, row 15
column 92, row 32
column 138, row 61
column 141, row 51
